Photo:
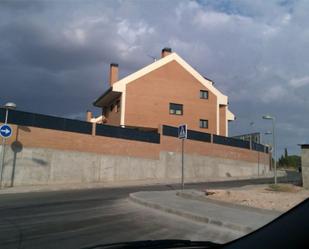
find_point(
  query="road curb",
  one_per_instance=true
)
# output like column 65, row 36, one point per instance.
column 189, row 215
column 191, row 196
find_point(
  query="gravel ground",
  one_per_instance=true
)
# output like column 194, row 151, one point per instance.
column 281, row 197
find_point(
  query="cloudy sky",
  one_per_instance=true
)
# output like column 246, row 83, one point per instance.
column 54, row 55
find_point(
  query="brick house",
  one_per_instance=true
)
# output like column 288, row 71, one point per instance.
column 168, row 91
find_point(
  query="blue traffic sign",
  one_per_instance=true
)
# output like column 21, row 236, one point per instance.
column 182, row 131
column 5, row 131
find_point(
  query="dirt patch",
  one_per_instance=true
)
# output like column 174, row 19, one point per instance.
column 283, row 188
column 281, row 197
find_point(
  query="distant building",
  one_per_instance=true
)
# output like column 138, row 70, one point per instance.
column 252, row 137
column 168, row 91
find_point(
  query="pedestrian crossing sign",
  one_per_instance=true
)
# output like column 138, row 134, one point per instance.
column 182, row 131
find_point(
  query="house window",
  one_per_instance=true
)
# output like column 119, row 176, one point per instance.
column 112, row 107
column 203, row 123
column 176, row 109
column 203, row 94
column 118, row 106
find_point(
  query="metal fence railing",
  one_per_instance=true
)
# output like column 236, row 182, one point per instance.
column 259, row 147
column 127, row 133
column 193, row 135
column 231, row 142
column 216, row 139
column 70, row 125
column 46, row 121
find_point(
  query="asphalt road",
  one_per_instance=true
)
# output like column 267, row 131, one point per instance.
column 80, row 218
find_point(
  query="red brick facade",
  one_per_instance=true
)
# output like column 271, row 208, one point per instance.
column 146, row 95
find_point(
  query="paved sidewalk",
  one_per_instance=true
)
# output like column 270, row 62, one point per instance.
column 188, row 205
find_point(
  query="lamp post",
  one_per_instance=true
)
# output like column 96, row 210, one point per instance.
column 268, row 117
column 7, row 106
column 270, row 147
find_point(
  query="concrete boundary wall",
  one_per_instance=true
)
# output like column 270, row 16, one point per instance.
column 41, row 166
column 36, row 156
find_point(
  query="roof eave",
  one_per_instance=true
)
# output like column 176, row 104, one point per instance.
column 107, row 98
column 95, row 103
column 230, row 115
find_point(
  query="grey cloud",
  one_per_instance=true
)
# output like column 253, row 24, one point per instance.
column 34, row 46
column 22, row 5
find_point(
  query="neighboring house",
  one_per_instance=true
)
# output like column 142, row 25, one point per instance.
column 168, row 91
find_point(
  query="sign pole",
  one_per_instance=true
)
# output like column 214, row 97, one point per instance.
column 2, row 161
column 3, row 148
column 182, row 164
column 182, row 134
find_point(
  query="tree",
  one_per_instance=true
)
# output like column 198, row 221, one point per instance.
column 289, row 161
column 285, row 153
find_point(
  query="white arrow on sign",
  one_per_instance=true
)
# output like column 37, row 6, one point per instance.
column 6, row 131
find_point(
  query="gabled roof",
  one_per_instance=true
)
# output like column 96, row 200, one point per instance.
column 119, row 86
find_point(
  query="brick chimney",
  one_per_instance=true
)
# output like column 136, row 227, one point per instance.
column 113, row 73
column 165, row 52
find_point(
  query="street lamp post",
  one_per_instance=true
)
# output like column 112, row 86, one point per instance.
column 7, row 106
column 268, row 117
column 270, row 147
